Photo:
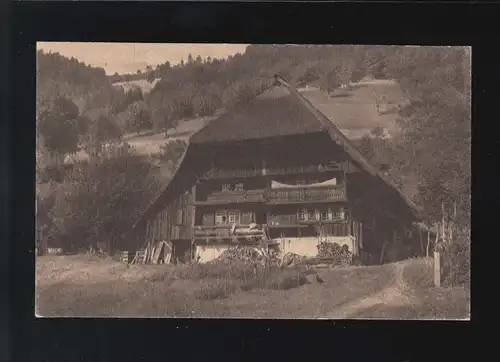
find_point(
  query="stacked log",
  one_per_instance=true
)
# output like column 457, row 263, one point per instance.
column 339, row 255
column 242, row 254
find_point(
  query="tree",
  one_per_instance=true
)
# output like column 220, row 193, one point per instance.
column 106, row 130
column 171, row 115
column 158, row 118
column 345, row 71
column 84, row 124
column 329, row 81
column 305, row 74
column 203, row 106
column 58, row 126
column 139, row 117
column 366, row 148
column 375, row 63
column 436, row 129
column 151, row 77
column 103, row 201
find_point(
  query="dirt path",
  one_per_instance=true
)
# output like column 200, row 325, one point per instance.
column 396, row 295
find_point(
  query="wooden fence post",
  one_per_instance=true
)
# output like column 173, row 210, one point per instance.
column 437, row 269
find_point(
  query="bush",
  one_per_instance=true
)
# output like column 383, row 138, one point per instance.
column 456, row 261
column 286, row 279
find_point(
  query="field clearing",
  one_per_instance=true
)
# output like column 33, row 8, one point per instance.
column 354, row 111
column 81, row 286
column 149, row 143
column 143, row 84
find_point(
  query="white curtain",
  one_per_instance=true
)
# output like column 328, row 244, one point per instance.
column 276, row 184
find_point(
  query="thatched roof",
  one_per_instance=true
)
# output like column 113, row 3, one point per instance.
column 279, row 110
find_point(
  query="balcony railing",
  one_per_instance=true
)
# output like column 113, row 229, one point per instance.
column 305, row 194
column 336, row 227
column 223, row 232
column 224, row 197
column 252, row 172
column 278, row 195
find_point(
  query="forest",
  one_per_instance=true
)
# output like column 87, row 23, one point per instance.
column 78, row 108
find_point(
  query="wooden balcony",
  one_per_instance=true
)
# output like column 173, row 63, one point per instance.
column 224, row 232
column 216, row 173
column 233, row 197
column 306, row 194
column 336, row 227
column 299, row 195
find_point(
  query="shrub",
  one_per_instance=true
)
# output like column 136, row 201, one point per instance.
column 456, row 261
column 286, row 279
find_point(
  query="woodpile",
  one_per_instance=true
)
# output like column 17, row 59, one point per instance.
column 242, row 254
column 338, row 255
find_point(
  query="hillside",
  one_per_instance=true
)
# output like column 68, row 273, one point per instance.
column 59, row 75
column 354, row 111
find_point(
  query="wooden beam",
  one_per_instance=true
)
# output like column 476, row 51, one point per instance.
column 437, row 269
column 193, row 216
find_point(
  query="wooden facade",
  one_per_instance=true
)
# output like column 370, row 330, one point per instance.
column 290, row 200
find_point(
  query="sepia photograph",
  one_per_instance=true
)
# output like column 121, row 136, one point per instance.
column 284, row 181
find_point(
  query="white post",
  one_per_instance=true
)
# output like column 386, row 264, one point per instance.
column 437, row 269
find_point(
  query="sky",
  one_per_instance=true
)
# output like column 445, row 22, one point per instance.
column 121, row 57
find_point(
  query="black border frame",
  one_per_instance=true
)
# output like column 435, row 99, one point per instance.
column 362, row 23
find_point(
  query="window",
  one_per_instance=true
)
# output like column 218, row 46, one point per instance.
column 311, row 215
column 238, row 187
column 221, row 217
column 301, row 214
column 330, row 214
column 234, row 217
column 226, row 187
column 339, row 214
column 325, row 215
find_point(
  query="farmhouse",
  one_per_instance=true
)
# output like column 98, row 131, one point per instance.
column 275, row 172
